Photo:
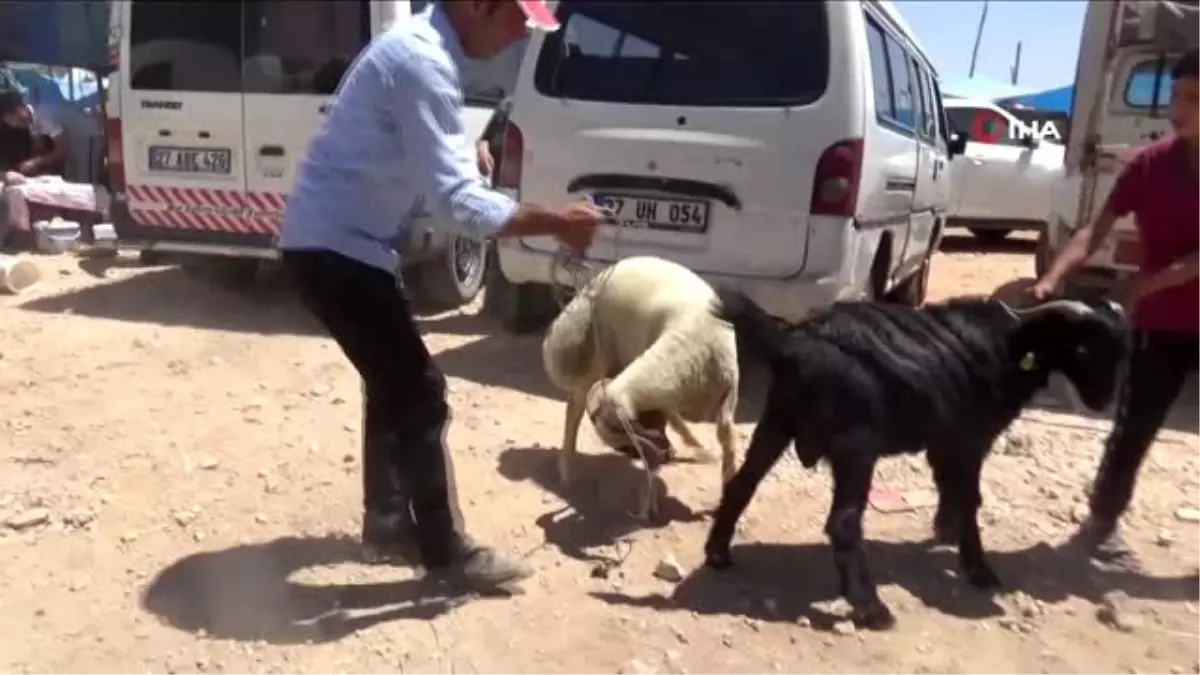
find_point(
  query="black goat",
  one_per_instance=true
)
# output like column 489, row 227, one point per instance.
column 863, row 380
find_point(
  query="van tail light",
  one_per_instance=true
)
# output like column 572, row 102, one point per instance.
column 835, row 183
column 116, row 155
column 512, row 152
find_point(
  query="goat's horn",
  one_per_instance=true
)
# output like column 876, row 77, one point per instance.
column 1070, row 308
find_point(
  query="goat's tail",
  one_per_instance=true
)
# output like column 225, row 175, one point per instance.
column 569, row 346
column 757, row 331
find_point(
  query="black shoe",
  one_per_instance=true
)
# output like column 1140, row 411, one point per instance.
column 479, row 566
column 1104, row 544
column 389, row 538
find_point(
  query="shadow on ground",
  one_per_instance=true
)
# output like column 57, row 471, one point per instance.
column 245, row 593
column 795, row 578
column 958, row 242
column 604, row 491
column 196, row 297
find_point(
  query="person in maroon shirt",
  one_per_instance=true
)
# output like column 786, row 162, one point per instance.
column 1159, row 187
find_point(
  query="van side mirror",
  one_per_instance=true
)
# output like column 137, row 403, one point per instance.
column 957, row 144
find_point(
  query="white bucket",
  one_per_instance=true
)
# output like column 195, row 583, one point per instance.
column 18, row 273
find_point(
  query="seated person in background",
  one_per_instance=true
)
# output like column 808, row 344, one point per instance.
column 31, row 144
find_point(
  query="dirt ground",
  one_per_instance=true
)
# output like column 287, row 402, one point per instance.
column 180, row 493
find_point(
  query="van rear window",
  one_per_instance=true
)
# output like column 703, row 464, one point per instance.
column 708, row 54
column 185, row 46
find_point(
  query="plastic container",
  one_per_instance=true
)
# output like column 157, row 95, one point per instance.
column 18, row 273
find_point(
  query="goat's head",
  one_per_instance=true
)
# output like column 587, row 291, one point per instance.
column 1085, row 341
column 621, row 431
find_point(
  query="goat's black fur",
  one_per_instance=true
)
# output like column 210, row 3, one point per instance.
column 862, row 380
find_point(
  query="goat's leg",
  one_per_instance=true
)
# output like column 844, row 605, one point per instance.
column 853, row 467
column 946, row 521
column 727, row 439
column 767, row 444
column 970, row 546
column 576, row 406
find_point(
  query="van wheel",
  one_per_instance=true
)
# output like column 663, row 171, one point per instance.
column 911, row 292
column 990, row 235
column 232, row 273
column 1043, row 256
column 454, row 277
column 520, row 308
column 151, row 257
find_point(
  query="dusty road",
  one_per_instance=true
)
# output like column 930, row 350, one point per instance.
column 179, row 489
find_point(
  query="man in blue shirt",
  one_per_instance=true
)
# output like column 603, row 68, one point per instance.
column 394, row 140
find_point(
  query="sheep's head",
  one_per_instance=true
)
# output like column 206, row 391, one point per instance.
column 1085, row 341
column 649, row 429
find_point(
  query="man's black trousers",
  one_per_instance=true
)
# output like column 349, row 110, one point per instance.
column 406, row 468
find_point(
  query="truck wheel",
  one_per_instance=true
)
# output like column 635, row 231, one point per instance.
column 520, row 308
column 990, row 235
column 911, row 292
column 1043, row 256
column 232, row 273
column 151, row 257
column 454, row 277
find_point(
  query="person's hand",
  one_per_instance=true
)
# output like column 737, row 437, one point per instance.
column 484, row 159
column 13, row 178
column 579, row 222
column 1042, row 290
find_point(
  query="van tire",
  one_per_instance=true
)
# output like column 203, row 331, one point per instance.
column 228, row 272
column 990, row 235
column 520, row 308
column 454, row 277
column 1042, row 257
column 911, row 292
column 151, row 257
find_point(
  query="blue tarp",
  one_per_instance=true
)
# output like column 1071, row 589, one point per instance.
column 55, row 32
column 1053, row 100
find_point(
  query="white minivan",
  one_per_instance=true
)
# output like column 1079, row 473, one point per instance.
column 211, row 107
column 795, row 150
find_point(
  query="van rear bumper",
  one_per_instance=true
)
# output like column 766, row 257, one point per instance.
column 787, row 299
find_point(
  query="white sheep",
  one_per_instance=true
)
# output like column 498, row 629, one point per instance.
column 639, row 347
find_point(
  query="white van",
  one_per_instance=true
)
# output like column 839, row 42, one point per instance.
column 797, row 150
column 1122, row 91
column 212, row 106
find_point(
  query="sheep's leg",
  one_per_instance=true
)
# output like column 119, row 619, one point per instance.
column 767, row 444
column 970, row 546
column 853, row 466
column 680, row 427
column 576, row 406
column 727, row 439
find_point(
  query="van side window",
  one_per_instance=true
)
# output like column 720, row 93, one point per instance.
column 943, row 127
column 881, row 77
column 185, row 46
column 902, row 85
column 302, row 46
column 928, row 125
column 1148, row 86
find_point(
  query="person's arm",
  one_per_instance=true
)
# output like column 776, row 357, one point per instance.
column 47, row 159
column 1121, row 201
column 423, row 100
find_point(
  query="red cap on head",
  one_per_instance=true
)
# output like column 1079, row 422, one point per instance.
column 538, row 15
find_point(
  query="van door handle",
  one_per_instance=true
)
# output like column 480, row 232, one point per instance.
column 271, row 151
column 164, row 132
column 204, row 134
column 324, row 109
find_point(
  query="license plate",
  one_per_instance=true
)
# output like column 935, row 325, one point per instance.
column 190, row 160
column 1127, row 252
column 672, row 215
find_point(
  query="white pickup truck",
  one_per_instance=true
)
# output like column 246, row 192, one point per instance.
column 1122, row 88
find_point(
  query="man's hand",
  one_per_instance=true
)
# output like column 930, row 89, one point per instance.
column 484, row 159
column 1043, row 290
column 579, row 225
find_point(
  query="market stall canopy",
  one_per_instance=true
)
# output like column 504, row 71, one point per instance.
column 1168, row 25
column 55, row 32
